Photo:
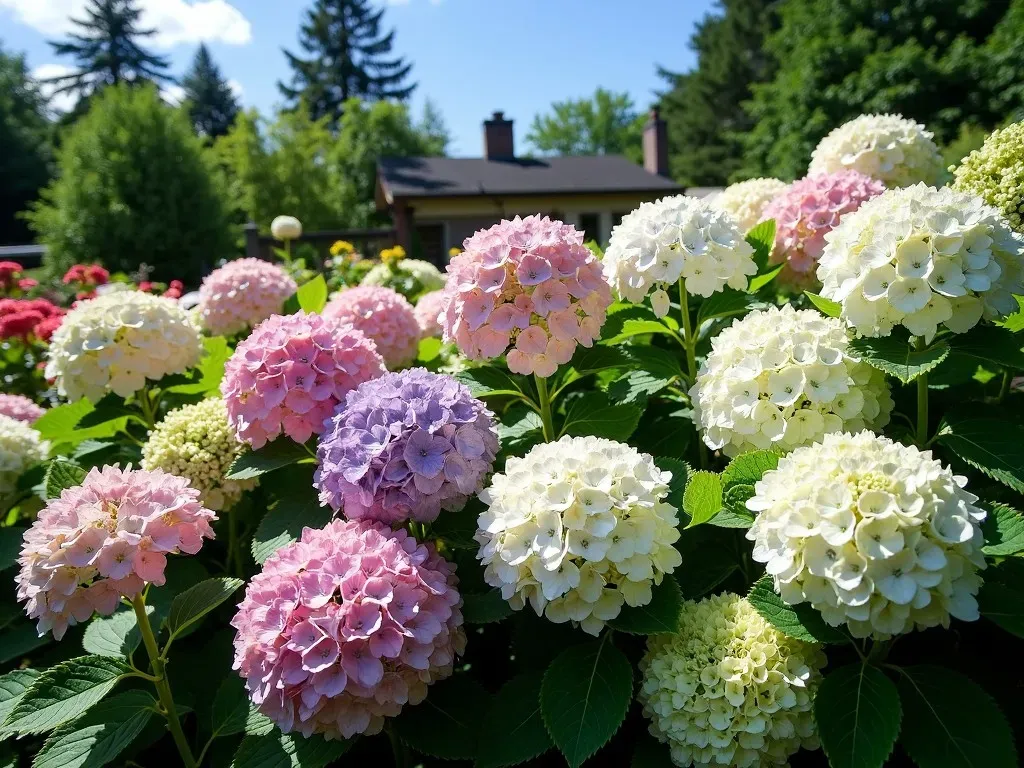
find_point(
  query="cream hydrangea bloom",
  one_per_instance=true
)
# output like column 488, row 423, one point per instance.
column 118, row 341
column 995, row 173
column 672, row 238
column 577, row 528
column 745, row 201
column 20, row 448
column 922, row 257
column 889, row 148
column 873, row 534
column 197, row 442
column 785, row 377
column 728, row 689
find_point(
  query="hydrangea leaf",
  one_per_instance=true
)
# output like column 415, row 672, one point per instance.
column 485, row 608
column 271, row 456
column 827, row 307
column 210, row 369
column 584, row 698
column 703, row 569
column 734, row 512
column 11, row 538
column 1001, row 598
column 659, row 615
column 949, row 722
column 194, row 603
column 62, row 474
column 759, row 281
column 724, row 303
column 761, row 238
column 895, row 356
column 312, row 295
column 747, row 468
column 592, row 414
column 513, row 731
column 991, row 444
column 990, row 345
column 100, row 735
column 636, row 386
column 487, row 381
column 429, row 349
column 597, row 358
column 1004, row 531
column 448, row 722
column 116, row 636
column 799, row 621
column 857, row 710
column 258, row 724
column 12, row 688
column 231, row 708
column 703, row 497
column 677, row 485
column 287, row 750
column 297, row 507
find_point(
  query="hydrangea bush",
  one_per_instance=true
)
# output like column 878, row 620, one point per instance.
column 242, row 294
column 746, row 200
column 731, row 525
column 995, row 173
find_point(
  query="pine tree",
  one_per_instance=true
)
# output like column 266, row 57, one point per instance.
column 211, row 104
column 348, row 57
column 107, row 49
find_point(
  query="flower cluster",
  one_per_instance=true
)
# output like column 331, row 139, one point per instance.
column 809, row 208
column 874, row 534
column 384, row 316
column 409, row 277
column 197, row 442
column 995, row 173
column 342, row 248
column 344, row 627
column 174, row 290
column 290, row 373
column 29, row 319
column 117, row 341
column 528, row 288
column 405, row 446
column 785, row 377
column 86, row 275
column 20, row 407
column 922, row 257
column 745, row 201
column 12, row 280
column 577, row 528
column 241, row 294
column 106, row 539
column 21, row 447
column 728, row 688
column 890, row 148
column 677, row 238
column 428, row 313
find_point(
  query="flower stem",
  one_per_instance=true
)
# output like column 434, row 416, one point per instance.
column 545, row 408
column 1004, row 386
column 163, row 688
column 922, row 400
column 149, row 405
column 690, row 345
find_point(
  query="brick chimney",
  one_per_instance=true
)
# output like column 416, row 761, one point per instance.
column 656, row 144
column 498, row 138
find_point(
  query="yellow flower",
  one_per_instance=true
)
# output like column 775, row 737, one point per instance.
column 454, row 251
column 342, row 247
column 392, row 256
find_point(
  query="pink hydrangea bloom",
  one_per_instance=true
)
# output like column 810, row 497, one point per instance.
column 20, row 407
column 241, row 294
column 428, row 310
column 528, row 289
column 291, row 372
column 106, row 539
column 808, row 209
column 345, row 626
column 384, row 315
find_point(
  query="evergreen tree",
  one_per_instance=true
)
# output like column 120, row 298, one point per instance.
column 211, row 104
column 107, row 49
column 348, row 57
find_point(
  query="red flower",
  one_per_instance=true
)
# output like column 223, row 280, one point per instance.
column 21, row 318
column 87, row 274
column 44, row 330
column 27, row 282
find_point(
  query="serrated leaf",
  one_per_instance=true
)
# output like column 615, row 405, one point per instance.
column 1002, row 601
column 761, row 238
column 210, row 369
column 827, row 307
column 63, row 692
column 488, row 381
column 447, row 723
column 116, row 636
column 485, row 608
column 760, row 280
column 280, row 453
column 658, row 616
column 1004, row 531
column 799, row 621
column 513, row 731
column 734, row 512
column 994, row 446
column 520, row 427
column 724, row 303
column 100, row 735
column 312, row 295
column 949, row 722
column 57, row 424
column 857, row 710
column 991, row 345
column 639, row 327
column 703, row 569
column 258, row 724
column 636, row 386
column 598, row 358
column 748, row 468
column 194, row 603
column 592, row 414
column 676, row 486
column 287, row 750
column 60, row 475
column 703, row 497
column 895, row 356
column 231, row 708
column 11, row 540
column 12, row 687
column 296, row 507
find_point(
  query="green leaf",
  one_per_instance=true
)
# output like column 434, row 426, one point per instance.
column 857, row 710
column 19, row 639
column 724, row 303
column 485, row 608
column 312, row 296
column 447, row 723
column 703, row 569
column 799, row 621
column 659, row 615
column 1004, row 531
column 520, row 426
column 231, row 708
column 895, row 356
column 258, row 724
column 1002, row 601
column 488, row 381
column 1015, row 322
column 297, row 507
column 592, row 414
column 429, row 349
column 747, row 468
column 990, row 345
column 734, row 512
column 63, row 692
column 636, row 386
column 586, row 692
column 598, row 358
column 194, row 603
column 760, row 280
column 11, row 540
column 116, row 636
column 271, row 456
column 761, row 238
column 639, row 327
column 993, row 445
column 12, row 688
column 949, row 722
column 57, row 424
column 513, row 731
column 60, row 475
column 825, row 306
column 287, row 750
column 100, row 735
column 703, row 497
column 210, row 369
column 677, row 484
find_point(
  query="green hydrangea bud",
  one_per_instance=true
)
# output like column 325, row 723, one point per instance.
column 995, row 173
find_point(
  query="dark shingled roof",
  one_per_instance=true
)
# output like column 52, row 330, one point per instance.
column 457, row 176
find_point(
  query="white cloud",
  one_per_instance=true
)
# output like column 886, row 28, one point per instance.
column 173, row 94
column 63, row 102
column 237, row 89
column 176, row 21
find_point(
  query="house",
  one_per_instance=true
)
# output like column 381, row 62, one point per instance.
column 437, row 202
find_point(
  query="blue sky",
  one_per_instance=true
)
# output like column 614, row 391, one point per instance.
column 470, row 57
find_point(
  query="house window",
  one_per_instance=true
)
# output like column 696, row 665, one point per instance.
column 590, row 223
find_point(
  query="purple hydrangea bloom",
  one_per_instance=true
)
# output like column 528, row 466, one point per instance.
column 405, row 445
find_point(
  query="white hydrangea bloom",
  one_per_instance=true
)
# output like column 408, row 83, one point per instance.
column 889, row 148
column 922, row 257
column 728, row 689
column 118, row 341
column 745, row 201
column 874, row 534
column 672, row 238
column 785, row 377
column 577, row 528
column 20, row 448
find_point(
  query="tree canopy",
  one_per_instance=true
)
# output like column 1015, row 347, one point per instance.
column 603, row 124
column 211, row 103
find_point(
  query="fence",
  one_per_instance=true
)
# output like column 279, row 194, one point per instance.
column 368, row 242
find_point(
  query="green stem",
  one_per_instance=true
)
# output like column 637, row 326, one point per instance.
column 1004, row 388
column 690, row 345
column 163, row 688
column 545, row 408
column 398, row 749
column 922, row 400
column 149, row 404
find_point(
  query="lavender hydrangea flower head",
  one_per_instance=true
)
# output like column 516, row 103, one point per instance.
column 405, row 445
